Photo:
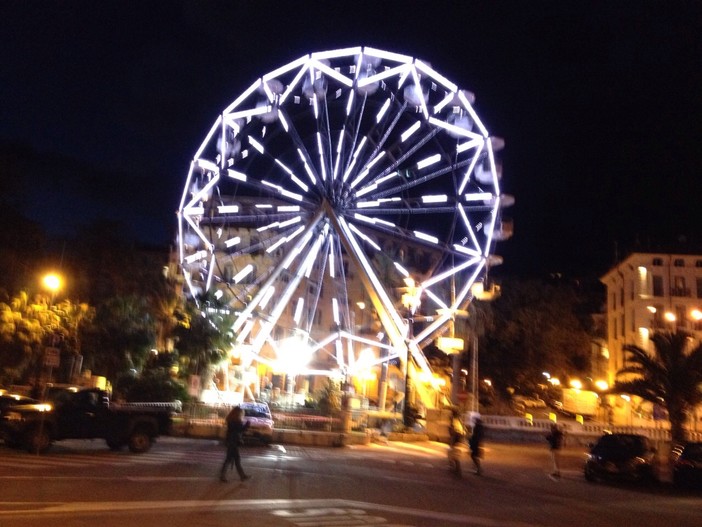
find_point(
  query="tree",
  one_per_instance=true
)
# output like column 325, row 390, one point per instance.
column 203, row 334
column 532, row 327
column 670, row 376
column 119, row 337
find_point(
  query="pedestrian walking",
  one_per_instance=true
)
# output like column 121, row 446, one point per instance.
column 235, row 428
column 476, row 445
column 457, row 432
column 555, row 442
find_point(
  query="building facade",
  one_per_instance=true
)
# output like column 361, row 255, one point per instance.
column 646, row 293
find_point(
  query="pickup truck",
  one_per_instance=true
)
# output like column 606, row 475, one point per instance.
column 85, row 414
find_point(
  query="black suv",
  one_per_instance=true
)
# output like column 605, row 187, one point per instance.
column 627, row 457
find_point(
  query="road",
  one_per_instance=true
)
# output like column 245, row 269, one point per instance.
column 176, row 484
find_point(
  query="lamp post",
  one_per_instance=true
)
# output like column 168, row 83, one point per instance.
column 410, row 301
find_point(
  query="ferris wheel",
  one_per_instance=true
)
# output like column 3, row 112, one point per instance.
column 343, row 181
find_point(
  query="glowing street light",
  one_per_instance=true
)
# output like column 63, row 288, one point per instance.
column 52, row 282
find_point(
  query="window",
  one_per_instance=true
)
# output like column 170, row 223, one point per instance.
column 657, row 285
column 699, row 287
column 658, row 262
column 698, row 263
column 679, row 288
column 678, row 262
column 623, row 326
column 621, row 296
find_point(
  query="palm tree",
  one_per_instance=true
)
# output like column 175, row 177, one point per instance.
column 670, row 376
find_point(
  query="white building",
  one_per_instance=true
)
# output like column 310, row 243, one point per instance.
column 649, row 292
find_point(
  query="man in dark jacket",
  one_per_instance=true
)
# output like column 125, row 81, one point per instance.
column 235, row 428
column 476, row 444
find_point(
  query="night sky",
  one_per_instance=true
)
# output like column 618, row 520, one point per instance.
column 103, row 105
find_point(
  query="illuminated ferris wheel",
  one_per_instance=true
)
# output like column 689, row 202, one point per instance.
column 344, row 180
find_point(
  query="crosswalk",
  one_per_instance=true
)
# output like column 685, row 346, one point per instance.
column 173, row 453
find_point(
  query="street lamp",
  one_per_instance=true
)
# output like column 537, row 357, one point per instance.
column 53, row 282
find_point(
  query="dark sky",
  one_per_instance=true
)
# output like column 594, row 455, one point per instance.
column 103, row 104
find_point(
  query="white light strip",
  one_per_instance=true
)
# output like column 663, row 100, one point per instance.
column 205, row 164
column 335, row 311
column 228, row 209
column 366, row 190
column 277, row 244
column 388, row 55
column 367, row 204
column 455, row 129
column 407, row 133
column 243, row 96
column 315, row 106
column 333, row 73
column 455, row 270
column 335, row 53
column 479, row 196
column 289, row 222
column 426, row 237
column 266, row 297
column 404, row 272
column 367, row 170
column 232, row 241
column 258, row 146
column 387, row 178
column 292, row 195
column 435, row 298
column 269, row 226
column 196, row 256
column 330, row 260
column 246, row 114
column 364, row 237
column 466, row 250
column 243, row 273
column 428, row 161
column 322, row 163
column 236, row 175
column 404, row 68
column 283, row 120
column 373, row 221
column 295, row 81
column 205, row 190
column 438, row 198
column 449, row 97
column 471, row 167
column 338, row 152
column 349, row 104
column 284, row 69
column 307, row 167
column 468, row 145
column 289, row 208
column 383, row 109
column 298, row 310
column 422, row 102
column 194, row 211
column 468, row 225
column 421, row 66
column 339, row 352
column 472, row 113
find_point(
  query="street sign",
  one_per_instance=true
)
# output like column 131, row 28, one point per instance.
column 52, row 357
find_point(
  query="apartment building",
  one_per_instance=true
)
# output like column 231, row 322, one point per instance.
column 649, row 292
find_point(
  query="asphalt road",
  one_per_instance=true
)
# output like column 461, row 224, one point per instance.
column 81, row 483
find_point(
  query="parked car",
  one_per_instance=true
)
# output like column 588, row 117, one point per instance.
column 260, row 422
column 628, row 457
column 84, row 414
column 687, row 465
column 7, row 401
